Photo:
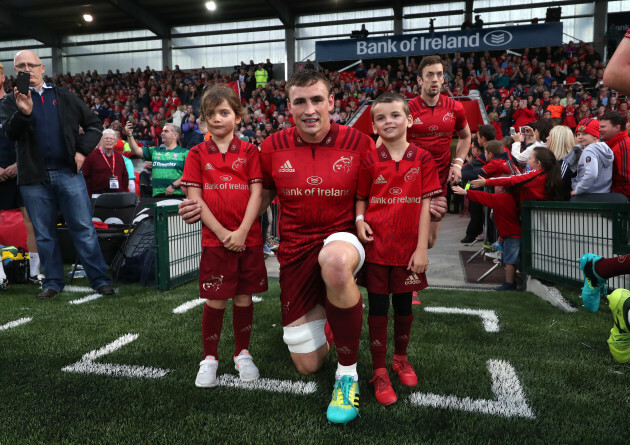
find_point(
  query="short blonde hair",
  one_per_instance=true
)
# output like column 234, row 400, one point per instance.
column 560, row 141
column 1, row 69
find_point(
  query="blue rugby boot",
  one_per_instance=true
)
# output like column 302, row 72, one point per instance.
column 344, row 405
column 593, row 283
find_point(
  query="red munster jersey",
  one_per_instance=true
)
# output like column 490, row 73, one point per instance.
column 316, row 185
column 433, row 128
column 395, row 191
column 225, row 179
column 620, row 146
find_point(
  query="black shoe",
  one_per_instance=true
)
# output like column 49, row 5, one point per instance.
column 46, row 294
column 106, row 289
column 468, row 239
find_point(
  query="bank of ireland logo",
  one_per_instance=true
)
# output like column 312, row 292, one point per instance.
column 395, row 190
column 226, row 178
column 238, row 163
column 433, row 128
column 314, row 180
column 497, row 38
column 343, row 164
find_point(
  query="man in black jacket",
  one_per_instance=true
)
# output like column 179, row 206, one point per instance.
column 54, row 132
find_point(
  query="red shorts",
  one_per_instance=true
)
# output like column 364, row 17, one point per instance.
column 301, row 286
column 387, row 280
column 224, row 274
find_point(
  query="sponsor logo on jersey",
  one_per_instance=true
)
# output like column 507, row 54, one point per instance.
column 314, row 180
column 433, row 127
column 412, row 174
column 417, row 121
column 286, row 168
column 413, row 279
column 380, row 180
column 395, row 190
column 175, row 156
column 238, row 163
column 343, row 164
column 449, row 116
column 226, row 178
column 213, row 283
column 208, row 166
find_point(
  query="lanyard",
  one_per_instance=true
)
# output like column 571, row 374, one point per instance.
column 113, row 166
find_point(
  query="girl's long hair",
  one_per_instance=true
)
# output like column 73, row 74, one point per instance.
column 554, row 187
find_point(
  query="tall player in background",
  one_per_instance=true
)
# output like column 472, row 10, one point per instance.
column 434, row 118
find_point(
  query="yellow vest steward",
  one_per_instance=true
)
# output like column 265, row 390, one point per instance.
column 261, row 77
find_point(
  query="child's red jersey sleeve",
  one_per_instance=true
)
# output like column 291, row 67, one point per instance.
column 192, row 176
column 430, row 180
column 265, row 163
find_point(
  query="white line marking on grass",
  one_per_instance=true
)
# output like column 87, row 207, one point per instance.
column 87, row 366
column 85, row 299
column 488, row 318
column 15, row 323
column 77, row 289
column 510, row 399
column 271, row 385
column 199, row 301
column 188, row 306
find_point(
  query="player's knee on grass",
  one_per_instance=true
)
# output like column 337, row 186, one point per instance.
column 340, row 259
column 307, row 344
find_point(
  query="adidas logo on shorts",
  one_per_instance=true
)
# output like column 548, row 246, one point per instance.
column 286, row 168
column 413, row 279
column 380, row 180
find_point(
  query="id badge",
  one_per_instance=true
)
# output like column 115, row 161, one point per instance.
column 113, row 182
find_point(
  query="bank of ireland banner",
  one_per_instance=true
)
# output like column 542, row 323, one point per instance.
column 507, row 37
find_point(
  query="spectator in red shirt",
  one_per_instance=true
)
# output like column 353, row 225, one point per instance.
column 104, row 169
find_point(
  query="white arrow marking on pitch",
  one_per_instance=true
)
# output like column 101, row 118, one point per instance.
column 199, row 301
column 488, row 318
column 510, row 399
column 271, row 385
column 15, row 323
column 87, row 366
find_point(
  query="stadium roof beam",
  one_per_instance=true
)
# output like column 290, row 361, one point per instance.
column 35, row 29
column 398, row 17
column 281, row 9
column 153, row 23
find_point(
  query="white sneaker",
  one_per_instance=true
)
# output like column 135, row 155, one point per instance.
column 244, row 364
column 4, row 283
column 207, row 375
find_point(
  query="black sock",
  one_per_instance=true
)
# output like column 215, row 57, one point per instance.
column 590, row 274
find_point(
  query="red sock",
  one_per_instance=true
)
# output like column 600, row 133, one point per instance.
column 211, row 325
column 378, row 339
column 345, row 324
column 402, row 329
column 242, row 317
column 612, row 267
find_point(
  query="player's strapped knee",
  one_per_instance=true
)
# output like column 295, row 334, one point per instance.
column 305, row 338
column 402, row 303
column 352, row 239
column 379, row 304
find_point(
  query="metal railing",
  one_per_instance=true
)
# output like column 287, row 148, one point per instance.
column 177, row 248
column 556, row 234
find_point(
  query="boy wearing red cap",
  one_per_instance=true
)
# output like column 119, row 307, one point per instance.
column 594, row 170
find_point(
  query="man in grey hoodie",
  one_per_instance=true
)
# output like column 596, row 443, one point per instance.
column 595, row 167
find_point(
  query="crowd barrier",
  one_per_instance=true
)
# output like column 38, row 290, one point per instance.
column 556, row 234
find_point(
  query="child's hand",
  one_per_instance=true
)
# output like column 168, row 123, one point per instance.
column 479, row 182
column 235, row 241
column 364, row 231
column 458, row 190
column 419, row 261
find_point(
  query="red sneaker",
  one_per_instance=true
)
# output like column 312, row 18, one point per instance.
column 383, row 390
column 406, row 375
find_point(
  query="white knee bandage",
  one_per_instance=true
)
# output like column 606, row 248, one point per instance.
column 305, row 338
column 352, row 239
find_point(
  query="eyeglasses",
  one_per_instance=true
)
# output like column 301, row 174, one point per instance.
column 31, row 66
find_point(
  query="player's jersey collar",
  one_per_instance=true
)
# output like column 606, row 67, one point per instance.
column 328, row 141
column 423, row 104
column 383, row 153
column 234, row 147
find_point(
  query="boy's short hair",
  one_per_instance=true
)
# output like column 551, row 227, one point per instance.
column 213, row 97
column 487, row 131
column 495, row 147
column 388, row 98
column 306, row 78
column 615, row 119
